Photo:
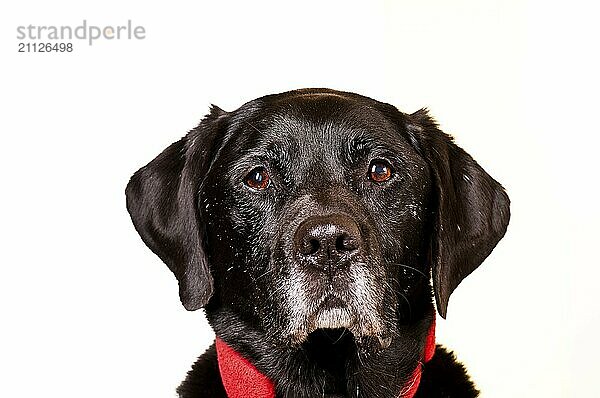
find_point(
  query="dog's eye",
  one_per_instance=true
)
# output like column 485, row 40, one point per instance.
column 380, row 171
column 258, row 178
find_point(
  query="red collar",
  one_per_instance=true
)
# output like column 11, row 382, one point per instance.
column 241, row 379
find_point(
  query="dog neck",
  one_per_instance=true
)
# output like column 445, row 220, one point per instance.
column 242, row 379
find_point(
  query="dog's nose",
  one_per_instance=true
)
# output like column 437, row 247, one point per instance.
column 327, row 240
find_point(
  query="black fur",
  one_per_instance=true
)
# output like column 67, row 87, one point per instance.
column 321, row 279
column 443, row 376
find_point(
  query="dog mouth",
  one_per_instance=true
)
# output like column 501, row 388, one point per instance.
column 335, row 316
column 333, row 313
column 331, row 324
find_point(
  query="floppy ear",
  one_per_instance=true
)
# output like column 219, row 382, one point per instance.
column 162, row 201
column 472, row 208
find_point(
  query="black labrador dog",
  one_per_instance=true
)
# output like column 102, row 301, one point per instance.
column 309, row 226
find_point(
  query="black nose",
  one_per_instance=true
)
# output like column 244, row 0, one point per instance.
column 327, row 241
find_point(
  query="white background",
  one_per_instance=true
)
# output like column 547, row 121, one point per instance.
column 86, row 310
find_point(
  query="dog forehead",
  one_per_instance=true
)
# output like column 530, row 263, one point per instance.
column 321, row 123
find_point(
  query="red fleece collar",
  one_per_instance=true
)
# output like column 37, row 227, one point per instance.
column 241, row 379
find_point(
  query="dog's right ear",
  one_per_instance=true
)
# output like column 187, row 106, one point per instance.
column 162, row 201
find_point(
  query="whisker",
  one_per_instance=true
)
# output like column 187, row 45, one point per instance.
column 267, row 272
column 276, row 291
column 391, row 289
column 413, row 269
column 339, row 338
column 249, row 124
column 407, row 302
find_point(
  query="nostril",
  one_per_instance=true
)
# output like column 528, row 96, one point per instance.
column 310, row 246
column 314, row 246
column 346, row 243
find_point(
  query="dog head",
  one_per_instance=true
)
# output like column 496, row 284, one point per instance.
column 317, row 209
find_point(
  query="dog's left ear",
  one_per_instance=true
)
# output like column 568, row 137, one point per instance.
column 162, row 201
column 472, row 208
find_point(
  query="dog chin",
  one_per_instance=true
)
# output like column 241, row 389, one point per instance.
column 363, row 329
column 334, row 318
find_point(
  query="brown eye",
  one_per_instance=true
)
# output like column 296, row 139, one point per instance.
column 257, row 179
column 380, row 171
